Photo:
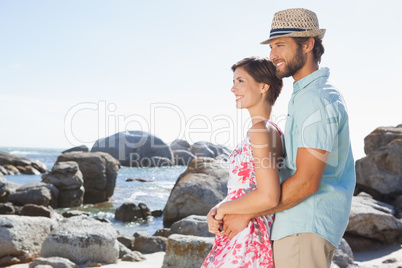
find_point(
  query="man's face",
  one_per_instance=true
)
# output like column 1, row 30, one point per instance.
column 287, row 56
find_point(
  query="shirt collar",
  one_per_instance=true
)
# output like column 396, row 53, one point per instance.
column 305, row 81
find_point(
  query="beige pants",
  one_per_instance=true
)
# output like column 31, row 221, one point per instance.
column 303, row 250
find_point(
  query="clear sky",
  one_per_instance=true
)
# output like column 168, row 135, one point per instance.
column 75, row 71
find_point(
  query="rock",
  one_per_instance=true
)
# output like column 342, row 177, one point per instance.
column 380, row 172
column 135, row 149
column 28, row 170
column 150, row 244
column 4, row 190
column 123, row 250
column 127, row 241
column 380, row 137
column 186, row 251
column 343, row 255
column 11, row 170
column 38, row 211
column 165, row 232
column 71, row 198
column 182, row 157
column 197, row 190
column 208, row 149
column 180, row 144
column 191, row 225
column 75, row 213
column 81, row 148
column 38, row 193
column 24, row 165
column 157, row 213
column 99, row 171
column 130, row 212
column 7, row 208
column 374, row 220
column 139, row 179
column 21, row 237
column 82, row 239
column 133, row 256
column 67, row 177
column 55, row 262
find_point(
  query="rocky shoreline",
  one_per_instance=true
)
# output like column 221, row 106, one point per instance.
column 31, row 231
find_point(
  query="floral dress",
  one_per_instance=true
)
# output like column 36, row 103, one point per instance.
column 252, row 246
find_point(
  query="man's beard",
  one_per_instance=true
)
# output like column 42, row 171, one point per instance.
column 294, row 65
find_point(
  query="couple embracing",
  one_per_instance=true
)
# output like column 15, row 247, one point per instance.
column 289, row 194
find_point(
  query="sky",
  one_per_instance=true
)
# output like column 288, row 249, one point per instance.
column 74, row 71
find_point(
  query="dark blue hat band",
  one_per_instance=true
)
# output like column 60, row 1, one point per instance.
column 283, row 31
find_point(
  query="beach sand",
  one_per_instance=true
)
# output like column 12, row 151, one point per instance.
column 366, row 259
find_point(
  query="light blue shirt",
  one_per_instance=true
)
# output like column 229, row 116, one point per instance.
column 317, row 118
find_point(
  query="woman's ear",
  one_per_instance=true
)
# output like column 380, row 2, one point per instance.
column 264, row 88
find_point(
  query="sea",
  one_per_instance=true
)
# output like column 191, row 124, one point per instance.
column 154, row 193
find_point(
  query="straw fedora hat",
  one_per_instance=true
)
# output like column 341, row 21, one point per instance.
column 295, row 22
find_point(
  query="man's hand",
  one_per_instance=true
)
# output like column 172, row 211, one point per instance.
column 234, row 224
column 214, row 226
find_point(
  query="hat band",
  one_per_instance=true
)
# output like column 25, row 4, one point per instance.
column 283, row 31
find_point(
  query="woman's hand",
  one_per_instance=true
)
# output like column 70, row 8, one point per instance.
column 214, row 225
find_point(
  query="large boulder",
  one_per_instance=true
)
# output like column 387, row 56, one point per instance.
column 136, row 149
column 21, row 237
column 208, row 149
column 381, row 136
column 82, row 239
column 81, row 148
column 186, row 251
column 380, row 172
column 182, row 157
column 99, row 171
column 180, row 144
column 38, row 193
column 374, row 220
column 67, row 177
column 191, row 225
column 24, row 165
column 197, row 190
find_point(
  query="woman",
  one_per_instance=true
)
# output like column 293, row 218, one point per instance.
column 254, row 162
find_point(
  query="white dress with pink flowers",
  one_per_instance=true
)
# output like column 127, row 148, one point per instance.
column 252, row 246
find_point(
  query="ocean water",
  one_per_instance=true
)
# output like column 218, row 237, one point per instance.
column 154, row 194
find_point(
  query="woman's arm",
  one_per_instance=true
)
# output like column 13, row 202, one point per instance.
column 267, row 148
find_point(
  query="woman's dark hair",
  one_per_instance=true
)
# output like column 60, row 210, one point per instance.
column 262, row 70
column 318, row 48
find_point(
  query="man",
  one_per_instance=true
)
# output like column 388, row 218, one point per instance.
column 318, row 176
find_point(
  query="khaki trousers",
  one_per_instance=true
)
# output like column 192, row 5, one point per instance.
column 303, row 250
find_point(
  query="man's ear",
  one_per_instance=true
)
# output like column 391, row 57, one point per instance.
column 309, row 45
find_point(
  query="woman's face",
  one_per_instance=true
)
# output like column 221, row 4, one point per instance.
column 247, row 91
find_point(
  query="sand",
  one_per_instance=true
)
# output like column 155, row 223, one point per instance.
column 366, row 259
